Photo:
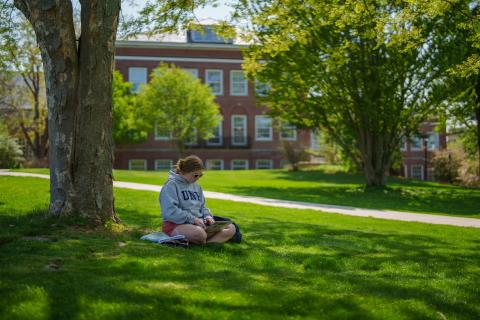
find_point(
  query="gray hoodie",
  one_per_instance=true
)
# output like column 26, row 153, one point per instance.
column 182, row 201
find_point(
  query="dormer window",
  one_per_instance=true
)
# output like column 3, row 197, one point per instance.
column 208, row 35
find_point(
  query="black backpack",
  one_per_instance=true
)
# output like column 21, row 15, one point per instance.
column 237, row 237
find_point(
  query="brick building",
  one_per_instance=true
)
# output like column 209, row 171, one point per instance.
column 417, row 153
column 246, row 138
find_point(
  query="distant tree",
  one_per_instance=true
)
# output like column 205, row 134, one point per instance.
column 125, row 126
column 294, row 154
column 460, row 89
column 177, row 104
column 23, row 89
column 354, row 69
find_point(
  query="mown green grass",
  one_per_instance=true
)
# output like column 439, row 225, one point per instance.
column 329, row 185
column 293, row 264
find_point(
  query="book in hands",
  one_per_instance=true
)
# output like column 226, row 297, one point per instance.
column 216, row 227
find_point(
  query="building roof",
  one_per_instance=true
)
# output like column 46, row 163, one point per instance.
column 178, row 40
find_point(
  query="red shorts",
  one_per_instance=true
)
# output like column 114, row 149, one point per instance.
column 168, row 227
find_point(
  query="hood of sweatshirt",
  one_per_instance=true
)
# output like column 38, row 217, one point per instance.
column 172, row 175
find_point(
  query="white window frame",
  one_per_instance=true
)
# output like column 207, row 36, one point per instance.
column 314, row 140
column 412, row 148
column 232, row 166
column 269, row 167
column 403, row 143
column 170, row 164
column 416, row 166
column 144, row 79
column 245, row 128
column 192, row 71
column 207, row 82
column 156, row 136
column 286, row 125
column 207, row 163
column 220, row 136
column 436, row 138
column 245, row 83
column 144, row 164
column 270, row 137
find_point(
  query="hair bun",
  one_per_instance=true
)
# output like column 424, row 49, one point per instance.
column 189, row 164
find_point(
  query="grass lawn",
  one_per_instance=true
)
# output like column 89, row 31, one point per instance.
column 293, row 264
column 329, row 185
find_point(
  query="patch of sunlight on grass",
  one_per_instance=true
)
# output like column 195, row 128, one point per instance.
column 29, row 302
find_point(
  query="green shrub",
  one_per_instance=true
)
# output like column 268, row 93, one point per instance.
column 11, row 155
column 446, row 165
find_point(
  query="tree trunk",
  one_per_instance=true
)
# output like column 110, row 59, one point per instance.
column 78, row 83
column 375, row 159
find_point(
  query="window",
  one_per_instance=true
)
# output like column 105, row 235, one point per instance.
column 207, row 35
column 417, row 172
column 314, row 140
column 162, row 133
column 261, row 88
column 288, row 132
column 238, row 83
column 433, row 141
column 216, row 140
column 193, row 72
column 239, row 130
column 416, row 143
column 264, row 164
column 214, row 79
column 163, row 164
column 214, row 164
column 192, row 138
column 403, row 143
column 263, row 128
column 137, row 164
column 239, row 164
column 137, row 76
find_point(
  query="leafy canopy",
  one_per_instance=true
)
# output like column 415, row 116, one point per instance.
column 177, row 103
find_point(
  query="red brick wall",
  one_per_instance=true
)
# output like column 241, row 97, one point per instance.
column 230, row 105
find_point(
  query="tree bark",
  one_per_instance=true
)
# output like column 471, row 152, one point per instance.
column 376, row 159
column 79, row 87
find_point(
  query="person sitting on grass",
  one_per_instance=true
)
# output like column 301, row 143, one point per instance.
column 183, row 205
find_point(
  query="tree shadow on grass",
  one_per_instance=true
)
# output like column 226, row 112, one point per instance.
column 283, row 269
column 320, row 177
column 457, row 204
column 343, row 178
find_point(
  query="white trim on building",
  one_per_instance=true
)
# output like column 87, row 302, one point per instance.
column 214, row 164
column 239, row 164
column 137, row 166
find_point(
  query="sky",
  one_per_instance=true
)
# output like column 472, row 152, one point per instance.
column 131, row 7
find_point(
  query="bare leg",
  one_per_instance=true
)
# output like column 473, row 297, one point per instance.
column 223, row 235
column 194, row 234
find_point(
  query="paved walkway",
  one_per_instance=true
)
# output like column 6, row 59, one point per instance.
column 351, row 211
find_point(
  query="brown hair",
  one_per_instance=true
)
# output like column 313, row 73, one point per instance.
column 189, row 164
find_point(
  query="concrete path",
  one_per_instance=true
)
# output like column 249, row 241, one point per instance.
column 351, row 211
